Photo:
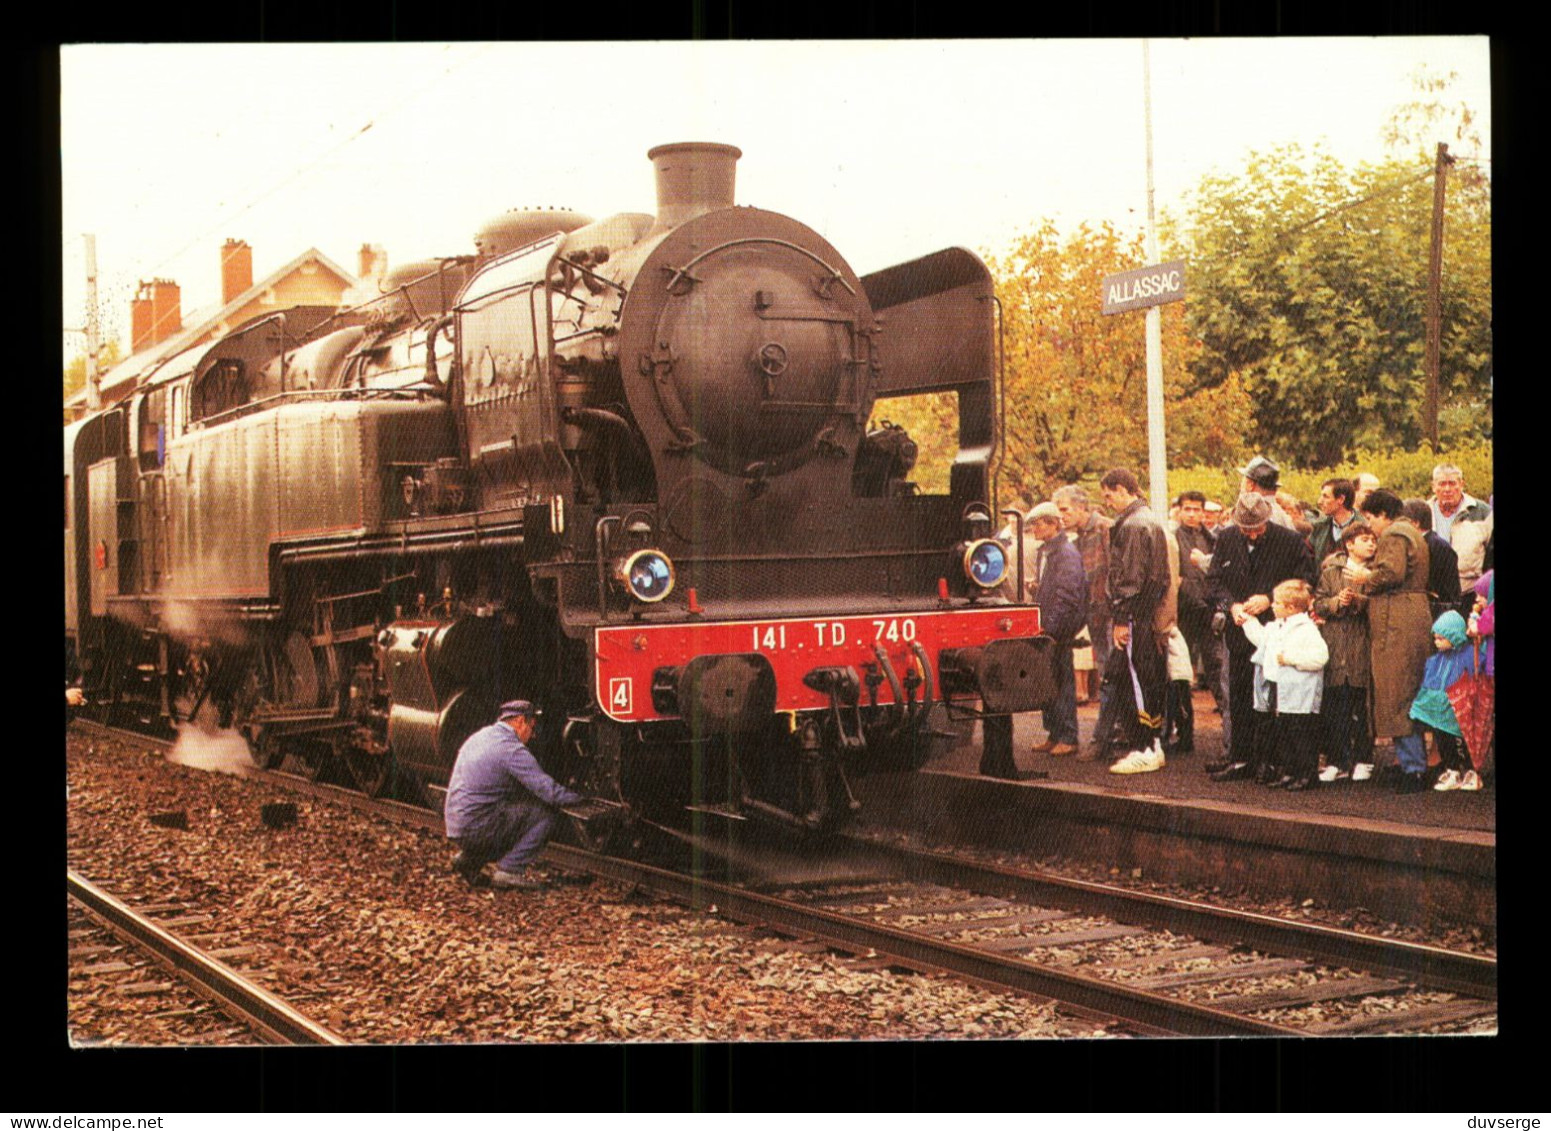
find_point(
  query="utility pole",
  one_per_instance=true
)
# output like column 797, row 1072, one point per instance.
column 1157, row 453
column 1434, row 298
column 93, row 336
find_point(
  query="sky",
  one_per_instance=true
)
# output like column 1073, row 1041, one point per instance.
column 889, row 149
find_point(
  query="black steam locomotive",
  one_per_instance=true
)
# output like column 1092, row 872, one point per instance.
column 620, row 467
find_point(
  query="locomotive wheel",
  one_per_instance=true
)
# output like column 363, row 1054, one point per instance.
column 265, row 746
column 310, row 760
column 372, row 773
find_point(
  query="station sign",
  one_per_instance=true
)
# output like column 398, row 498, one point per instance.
column 1144, row 287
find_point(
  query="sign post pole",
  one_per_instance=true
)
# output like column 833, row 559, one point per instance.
column 1157, row 452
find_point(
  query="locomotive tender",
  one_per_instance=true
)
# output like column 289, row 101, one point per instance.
column 620, row 467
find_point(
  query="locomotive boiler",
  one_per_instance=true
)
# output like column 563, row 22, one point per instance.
column 622, row 467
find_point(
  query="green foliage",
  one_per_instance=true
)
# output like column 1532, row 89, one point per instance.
column 1407, row 473
column 108, row 356
column 1308, row 284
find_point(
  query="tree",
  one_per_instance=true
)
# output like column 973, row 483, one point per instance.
column 108, row 355
column 1435, row 114
column 1076, row 380
column 1308, row 286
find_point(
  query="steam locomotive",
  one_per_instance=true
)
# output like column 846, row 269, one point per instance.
column 620, row 467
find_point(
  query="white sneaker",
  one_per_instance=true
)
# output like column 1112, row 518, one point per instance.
column 1333, row 773
column 1471, row 780
column 1447, row 780
column 1362, row 771
column 1139, row 762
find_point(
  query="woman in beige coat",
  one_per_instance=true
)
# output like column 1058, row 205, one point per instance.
column 1400, row 630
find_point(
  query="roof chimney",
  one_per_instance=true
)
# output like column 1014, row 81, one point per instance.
column 140, row 318
column 166, row 310
column 693, row 178
column 371, row 262
column 236, row 270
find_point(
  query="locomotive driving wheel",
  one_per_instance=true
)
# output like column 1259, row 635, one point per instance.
column 313, row 759
column 371, row 773
column 265, row 746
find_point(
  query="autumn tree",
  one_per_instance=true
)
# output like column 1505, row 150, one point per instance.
column 1308, row 288
column 108, row 355
column 1076, row 380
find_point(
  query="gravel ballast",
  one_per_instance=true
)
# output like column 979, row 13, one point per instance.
column 363, row 926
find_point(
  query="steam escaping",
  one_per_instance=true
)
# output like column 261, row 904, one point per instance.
column 205, row 748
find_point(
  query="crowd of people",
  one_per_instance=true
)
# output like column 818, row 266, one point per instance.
column 1335, row 640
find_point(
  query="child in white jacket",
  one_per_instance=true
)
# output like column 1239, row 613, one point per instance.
column 1290, row 658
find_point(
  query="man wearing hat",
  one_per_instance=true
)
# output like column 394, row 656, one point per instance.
column 1252, row 557
column 1262, row 477
column 1061, row 590
column 500, row 803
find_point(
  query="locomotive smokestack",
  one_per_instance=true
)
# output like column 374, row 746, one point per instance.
column 693, row 178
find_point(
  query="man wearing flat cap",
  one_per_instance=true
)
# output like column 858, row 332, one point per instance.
column 1262, row 477
column 500, row 802
column 1061, row 591
column 1252, row 557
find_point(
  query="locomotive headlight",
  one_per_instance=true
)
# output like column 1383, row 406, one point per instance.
column 647, row 574
column 985, row 563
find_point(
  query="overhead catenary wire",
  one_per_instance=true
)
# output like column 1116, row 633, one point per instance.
column 117, row 292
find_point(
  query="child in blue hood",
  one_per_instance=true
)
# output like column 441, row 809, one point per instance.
column 1432, row 708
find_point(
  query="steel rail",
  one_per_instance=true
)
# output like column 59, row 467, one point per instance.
column 1155, row 1013
column 1152, row 1010
column 272, row 1018
column 1431, row 967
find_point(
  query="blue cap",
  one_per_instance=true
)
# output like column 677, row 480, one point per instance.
column 517, row 707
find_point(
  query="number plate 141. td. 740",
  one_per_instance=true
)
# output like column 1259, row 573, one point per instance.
column 628, row 655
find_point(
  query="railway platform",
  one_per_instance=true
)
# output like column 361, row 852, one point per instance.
column 1427, row 857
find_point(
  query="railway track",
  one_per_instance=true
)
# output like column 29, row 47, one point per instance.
column 1135, row 961
column 259, row 1014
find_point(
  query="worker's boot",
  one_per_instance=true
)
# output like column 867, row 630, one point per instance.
column 473, row 871
column 514, row 881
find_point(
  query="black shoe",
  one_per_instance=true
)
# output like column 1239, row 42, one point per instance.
column 1238, row 771
column 473, row 871
column 1217, row 767
column 1267, row 774
column 1298, row 785
column 1281, row 781
column 1411, row 783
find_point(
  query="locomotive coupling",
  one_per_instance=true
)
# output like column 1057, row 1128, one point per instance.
column 1008, row 675
column 719, row 694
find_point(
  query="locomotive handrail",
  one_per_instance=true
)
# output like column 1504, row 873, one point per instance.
column 601, row 546
column 999, row 431
column 413, row 391
column 681, row 272
column 1016, row 514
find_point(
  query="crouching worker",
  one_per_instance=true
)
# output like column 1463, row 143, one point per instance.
column 500, row 803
